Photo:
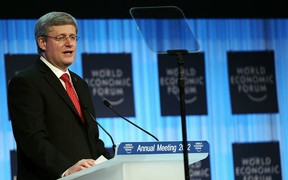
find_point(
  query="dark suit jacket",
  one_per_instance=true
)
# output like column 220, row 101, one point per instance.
column 49, row 134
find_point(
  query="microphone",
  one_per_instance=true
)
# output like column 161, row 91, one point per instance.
column 113, row 146
column 107, row 103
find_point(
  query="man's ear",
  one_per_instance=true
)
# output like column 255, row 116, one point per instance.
column 41, row 43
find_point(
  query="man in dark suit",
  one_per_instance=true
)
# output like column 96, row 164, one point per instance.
column 52, row 139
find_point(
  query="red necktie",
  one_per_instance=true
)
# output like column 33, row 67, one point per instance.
column 72, row 94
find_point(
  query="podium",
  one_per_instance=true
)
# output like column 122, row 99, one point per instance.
column 145, row 161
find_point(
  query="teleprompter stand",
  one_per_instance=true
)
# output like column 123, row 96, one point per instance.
column 177, row 40
column 181, row 85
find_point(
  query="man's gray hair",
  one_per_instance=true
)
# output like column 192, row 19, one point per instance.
column 42, row 26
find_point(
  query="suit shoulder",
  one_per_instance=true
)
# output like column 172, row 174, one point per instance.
column 76, row 77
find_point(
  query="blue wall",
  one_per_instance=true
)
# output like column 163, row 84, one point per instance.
column 215, row 36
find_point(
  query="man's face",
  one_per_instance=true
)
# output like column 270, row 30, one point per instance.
column 60, row 46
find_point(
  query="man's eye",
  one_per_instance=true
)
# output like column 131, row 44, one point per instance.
column 60, row 38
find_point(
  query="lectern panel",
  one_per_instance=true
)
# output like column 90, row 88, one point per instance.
column 145, row 161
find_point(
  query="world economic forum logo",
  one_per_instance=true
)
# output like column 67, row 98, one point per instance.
column 252, row 81
column 128, row 148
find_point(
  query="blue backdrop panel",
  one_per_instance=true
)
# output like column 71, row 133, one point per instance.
column 109, row 77
column 259, row 160
column 252, row 82
column 194, row 84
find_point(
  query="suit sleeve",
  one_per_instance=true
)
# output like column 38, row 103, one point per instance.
column 26, row 111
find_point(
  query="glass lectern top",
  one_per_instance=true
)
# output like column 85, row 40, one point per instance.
column 164, row 28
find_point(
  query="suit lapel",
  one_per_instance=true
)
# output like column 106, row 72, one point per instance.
column 89, row 121
column 80, row 93
column 56, row 84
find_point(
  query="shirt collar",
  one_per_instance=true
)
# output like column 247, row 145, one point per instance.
column 58, row 72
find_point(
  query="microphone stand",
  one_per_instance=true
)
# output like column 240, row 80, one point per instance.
column 107, row 103
column 113, row 144
column 181, row 85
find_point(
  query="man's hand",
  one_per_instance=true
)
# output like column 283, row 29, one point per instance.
column 80, row 165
